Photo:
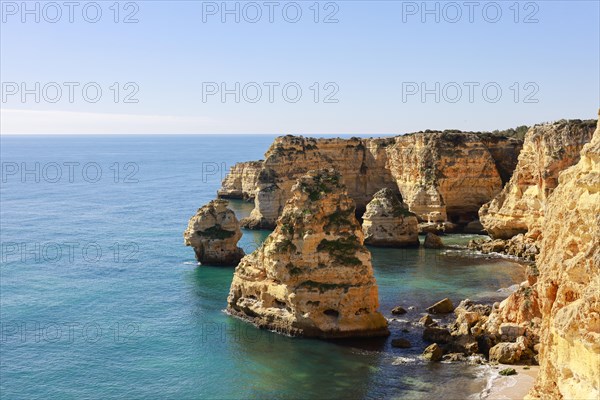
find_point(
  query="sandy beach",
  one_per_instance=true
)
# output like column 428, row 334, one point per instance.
column 513, row 387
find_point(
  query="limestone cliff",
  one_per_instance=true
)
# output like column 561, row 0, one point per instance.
column 213, row 232
column 240, row 182
column 569, row 283
column 312, row 276
column 442, row 176
column 361, row 165
column 388, row 223
column 547, row 150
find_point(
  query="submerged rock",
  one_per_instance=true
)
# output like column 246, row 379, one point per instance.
column 433, row 241
column 388, row 223
column 398, row 310
column 214, row 233
column 401, row 343
column 312, row 276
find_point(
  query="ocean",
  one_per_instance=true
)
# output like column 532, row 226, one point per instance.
column 99, row 298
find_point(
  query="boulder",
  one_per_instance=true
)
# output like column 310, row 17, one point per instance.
column 426, row 320
column 433, row 352
column 474, row 227
column 398, row 310
column 441, row 307
column 506, row 353
column 433, row 241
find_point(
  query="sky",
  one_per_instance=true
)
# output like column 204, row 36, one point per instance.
column 304, row 67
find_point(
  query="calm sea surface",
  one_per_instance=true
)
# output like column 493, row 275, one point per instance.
column 100, row 299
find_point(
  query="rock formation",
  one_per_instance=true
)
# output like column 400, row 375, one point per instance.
column 433, row 241
column 569, row 283
column 241, row 181
column 361, row 164
column 547, row 150
column 313, row 275
column 443, row 177
column 444, row 306
column 213, row 233
column 523, row 246
column 388, row 223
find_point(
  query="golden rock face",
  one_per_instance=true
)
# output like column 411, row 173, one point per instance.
column 313, row 275
column 548, row 149
column 440, row 175
column 387, row 222
column 214, row 232
column 569, row 283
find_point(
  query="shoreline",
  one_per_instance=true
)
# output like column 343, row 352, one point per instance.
column 514, row 387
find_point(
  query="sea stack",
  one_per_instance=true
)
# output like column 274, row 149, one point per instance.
column 214, row 233
column 388, row 223
column 312, row 276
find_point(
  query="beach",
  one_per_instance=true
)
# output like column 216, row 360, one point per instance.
column 513, row 387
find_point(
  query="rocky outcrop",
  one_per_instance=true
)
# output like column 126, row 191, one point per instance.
column 548, row 149
column 213, row 233
column 443, row 177
column 569, row 283
column 360, row 162
column 388, row 223
column 241, row 181
column 523, row 246
column 480, row 329
column 312, row 276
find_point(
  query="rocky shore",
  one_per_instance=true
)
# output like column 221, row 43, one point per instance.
column 313, row 276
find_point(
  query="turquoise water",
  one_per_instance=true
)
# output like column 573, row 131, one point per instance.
column 142, row 320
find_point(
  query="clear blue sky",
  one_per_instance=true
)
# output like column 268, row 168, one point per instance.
column 368, row 54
